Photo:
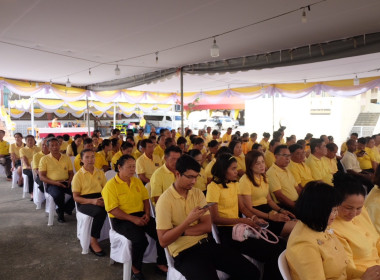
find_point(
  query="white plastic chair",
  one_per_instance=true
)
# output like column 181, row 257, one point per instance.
column 284, row 267
column 72, row 158
column 152, row 208
column 38, row 196
column 2, row 170
column 173, row 274
column 15, row 178
column 25, row 188
column 50, row 205
column 84, row 224
column 121, row 251
column 110, row 174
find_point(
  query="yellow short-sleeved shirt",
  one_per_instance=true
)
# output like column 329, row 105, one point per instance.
column 226, row 138
column 172, row 209
column 359, row 239
column 315, row 255
column 301, row 172
column 372, row 203
column 4, row 148
column 69, row 150
column 138, row 138
column 147, row 166
column 332, row 164
column 201, row 182
column 28, row 153
column 129, row 199
column 57, row 170
column 227, row 198
column 36, row 159
column 258, row 194
column 99, row 162
column 159, row 151
column 136, row 154
column 245, row 147
column 13, row 148
column 115, row 158
column 85, row 182
column 208, row 169
column 63, row 146
column 319, row 169
column 366, row 160
column 376, row 153
column 269, row 159
column 161, row 180
column 241, row 162
column 265, row 144
column 343, row 148
column 282, row 179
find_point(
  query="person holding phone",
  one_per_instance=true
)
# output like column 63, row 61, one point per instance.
column 87, row 186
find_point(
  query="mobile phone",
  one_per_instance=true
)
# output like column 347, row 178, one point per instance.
column 208, row 205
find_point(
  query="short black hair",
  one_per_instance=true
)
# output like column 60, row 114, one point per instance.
column 347, row 184
column 194, row 152
column 331, row 146
column 51, row 139
column 222, row 150
column 87, row 141
column 18, row 133
column 186, row 162
column 115, row 142
column 172, row 149
column 315, row 204
column 315, row 142
column 60, row 137
column 213, row 143
column 144, row 142
column 232, row 145
column 181, row 140
column 104, row 144
column 254, row 135
column 354, row 134
column 169, row 142
column 266, row 135
column 215, row 132
column 122, row 160
column 115, row 131
column 256, row 146
column 66, row 137
column 362, row 140
column 198, row 140
column 125, row 146
column 273, row 142
column 220, row 167
column 279, row 148
column 295, row 147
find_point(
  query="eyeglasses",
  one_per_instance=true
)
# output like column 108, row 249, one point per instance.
column 191, row 177
column 284, row 155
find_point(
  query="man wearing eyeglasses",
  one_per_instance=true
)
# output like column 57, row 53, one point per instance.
column 282, row 184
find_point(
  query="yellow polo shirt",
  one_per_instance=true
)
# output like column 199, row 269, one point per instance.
column 301, row 172
column 159, row 151
column 85, row 182
column 69, row 150
column 128, row 198
column 226, row 137
column 147, row 165
column 282, row 179
column 366, row 160
column 332, row 164
column 360, row 240
column 107, row 158
column 241, row 162
column 343, row 148
column 208, row 169
column 63, row 146
column 258, row 194
column 227, row 198
column 376, row 153
column 115, row 158
column 172, row 209
column 201, row 182
column 13, row 148
column 136, row 154
column 99, row 162
column 315, row 255
column 319, row 169
column 269, row 159
column 138, row 138
column 161, row 180
column 265, row 144
column 36, row 159
column 4, row 148
column 57, row 170
column 28, row 153
column 372, row 203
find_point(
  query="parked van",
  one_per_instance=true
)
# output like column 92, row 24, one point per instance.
column 170, row 120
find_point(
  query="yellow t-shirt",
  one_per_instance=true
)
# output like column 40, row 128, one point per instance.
column 13, row 148
column 28, row 153
column 4, row 148
column 343, row 148
column 282, row 179
column 63, row 146
column 69, row 150
column 172, row 209
column 258, row 194
column 159, row 151
column 265, row 144
column 269, row 159
column 359, row 239
column 332, row 164
column 147, row 166
column 201, row 182
column 241, row 162
column 115, row 158
column 227, row 198
column 86, row 183
column 372, row 203
column 99, row 162
column 138, row 138
column 315, row 255
column 366, row 160
column 301, row 172
column 226, row 138
column 319, row 169
column 136, row 154
column 376, row 153
column 208, row 169
column 161, row 180
column 57, row 170
column 128, row 198
column 36, row 159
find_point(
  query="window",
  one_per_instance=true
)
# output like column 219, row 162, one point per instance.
column 168, row 118
column 153, row 118
column 177, row 118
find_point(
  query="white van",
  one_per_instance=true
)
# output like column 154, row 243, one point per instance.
column 171, row 120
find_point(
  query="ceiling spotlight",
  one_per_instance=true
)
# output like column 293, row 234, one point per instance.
column 304, row 19
column 156, row 57
column 356, row 81
column 214, row 51
column 117, row 70
column 89, row 72
column 68, row 83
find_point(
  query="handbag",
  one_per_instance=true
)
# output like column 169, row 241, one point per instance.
column 241, row 232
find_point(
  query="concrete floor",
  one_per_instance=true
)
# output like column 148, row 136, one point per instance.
column 29, row 249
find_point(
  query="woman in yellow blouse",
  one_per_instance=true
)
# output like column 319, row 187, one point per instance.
column 87, row 185
column 237, row 152
column 201, row 179
column 353, row 226
column 224, row 191
column 105, row 150
column 14, row 151
column 265, row 141
column 254, row 197
column 313, row 251
column 75, row 147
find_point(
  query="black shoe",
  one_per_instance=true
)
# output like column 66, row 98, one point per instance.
column 160, row 272
column 99, row 254
column 61, row 219
column 69, row 212
column 138, row 276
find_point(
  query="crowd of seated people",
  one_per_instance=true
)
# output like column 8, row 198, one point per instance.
column 323, row 206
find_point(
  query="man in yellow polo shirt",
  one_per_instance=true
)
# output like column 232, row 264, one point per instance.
column 56, row 170
column 5, row 158
column 183, row 225
column 163, row 177
column 319, row 168
column 300, row 171
column 330, row 157
column 269, row 153
column 148, row 162
column 36, row 161
column 282, row 184
column 140, row 136
column 365, row 155
column 160, row 148
column 227, row 136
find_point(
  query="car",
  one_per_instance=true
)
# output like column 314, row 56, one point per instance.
column 204, row 123
column 226, row 122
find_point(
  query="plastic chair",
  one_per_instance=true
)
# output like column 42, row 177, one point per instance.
column 2, row 170
column 38, row 196
column 72, row 158
column 15, row 178
column 84, row 224
column 25, row 186
column 284, row 267
column 50, row 205
column 152, row 208
column 110, row 174
column 121, row 251
column 173, row 274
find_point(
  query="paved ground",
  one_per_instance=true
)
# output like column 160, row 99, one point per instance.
column 29, row 249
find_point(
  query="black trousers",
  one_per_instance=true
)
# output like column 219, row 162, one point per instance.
column 97, row 212
column 7, row 163
column 136, row 235
column 40, row 183
column 58, row 195
column 201, row 261
column 258, row 249
column 29, row 173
